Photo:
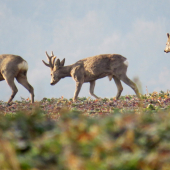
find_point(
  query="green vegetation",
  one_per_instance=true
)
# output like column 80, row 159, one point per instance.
column 88, row 134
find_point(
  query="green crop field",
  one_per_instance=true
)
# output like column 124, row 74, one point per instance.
column 104, row 134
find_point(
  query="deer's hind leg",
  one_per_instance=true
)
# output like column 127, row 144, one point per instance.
column 130, row 83
column 92, row 85
column 10, row 82
column 119, row 86
column 22, row 79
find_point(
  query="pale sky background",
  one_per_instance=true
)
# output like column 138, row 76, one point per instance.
column 76, row 29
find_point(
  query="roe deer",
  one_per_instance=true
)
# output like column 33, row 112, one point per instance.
column 13, row 66
column 167, row 48
column 90, row 69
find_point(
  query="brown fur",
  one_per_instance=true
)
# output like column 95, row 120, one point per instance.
column 167, row 48
column 92, row 68
column 13, row 66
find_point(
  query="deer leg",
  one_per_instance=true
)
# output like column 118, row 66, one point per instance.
column 119, row 87
column 130, row 83
column 10, row 81
column 78, row 87
column 92, row 85
column 22, row 79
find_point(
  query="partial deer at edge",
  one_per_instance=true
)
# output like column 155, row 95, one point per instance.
column 167, row 48
column 13, row 66
column 90, row 69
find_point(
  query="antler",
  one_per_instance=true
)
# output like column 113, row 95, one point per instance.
column 51, row 60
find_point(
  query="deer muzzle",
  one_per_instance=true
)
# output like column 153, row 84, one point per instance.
column 53, row 81
column 166, row 51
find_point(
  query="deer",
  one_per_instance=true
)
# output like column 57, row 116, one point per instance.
column 14, row 66
column 167, row 48
column 90, row 69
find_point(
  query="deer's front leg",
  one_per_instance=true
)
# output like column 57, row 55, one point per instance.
column 78, row 87
column 92, row 85
column 77, row 74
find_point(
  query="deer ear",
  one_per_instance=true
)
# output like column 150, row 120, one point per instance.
column 62, row 62
column 168, row 35
column 57, row 63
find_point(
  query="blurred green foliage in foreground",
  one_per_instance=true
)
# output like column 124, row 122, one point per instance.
column 136, row 139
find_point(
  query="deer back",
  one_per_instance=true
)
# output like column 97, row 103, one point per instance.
column 12, row 64
column 101, row 65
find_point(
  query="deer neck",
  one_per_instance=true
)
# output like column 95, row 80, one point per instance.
column 66, row 71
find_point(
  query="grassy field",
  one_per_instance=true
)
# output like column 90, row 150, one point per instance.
column 105, row 134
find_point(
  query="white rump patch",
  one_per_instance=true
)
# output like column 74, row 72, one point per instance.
column 23, row 66
column 126, row 62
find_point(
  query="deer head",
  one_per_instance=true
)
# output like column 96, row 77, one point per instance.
column 167, row 48
column 55, row 66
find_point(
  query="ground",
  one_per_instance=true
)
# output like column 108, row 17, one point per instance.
column 127, row 134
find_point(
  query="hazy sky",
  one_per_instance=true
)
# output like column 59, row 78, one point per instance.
column 75, row 29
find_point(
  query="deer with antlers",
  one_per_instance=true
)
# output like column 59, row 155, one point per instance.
column 90, row 69
column 13, row 66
